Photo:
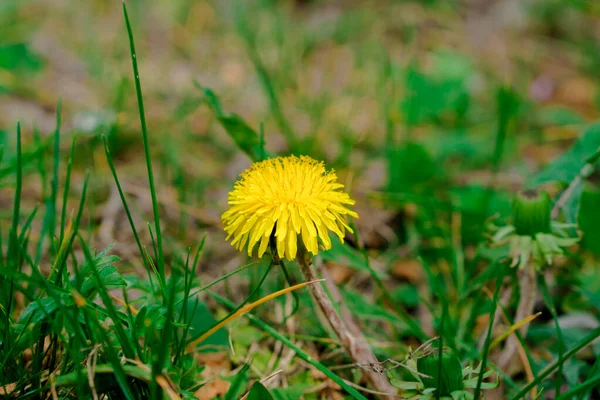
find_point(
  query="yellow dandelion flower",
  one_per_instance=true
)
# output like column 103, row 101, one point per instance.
column 287, row 197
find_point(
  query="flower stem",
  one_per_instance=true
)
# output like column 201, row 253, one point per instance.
column 354, row 342
column 527, row 295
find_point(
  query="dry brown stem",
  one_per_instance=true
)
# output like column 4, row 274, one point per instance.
column 349, row 333
column 527, row 288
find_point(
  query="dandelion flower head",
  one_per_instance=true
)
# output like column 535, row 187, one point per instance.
column 289, row 198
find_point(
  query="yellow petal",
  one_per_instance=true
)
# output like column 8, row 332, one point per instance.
column 287, row 196
column 295, row 217
column 264, row 242
column 282, row 226
column 281, row 249
column 292, row 246
column 249, row 224
column 324, row 235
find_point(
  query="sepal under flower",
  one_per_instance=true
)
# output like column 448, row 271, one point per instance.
column 533, row 236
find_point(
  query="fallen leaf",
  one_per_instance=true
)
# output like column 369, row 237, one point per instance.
column 214, row 360
column 212, row 389
column 576, row 91
column 338, row 272
column 409, row 269
column 7, row 389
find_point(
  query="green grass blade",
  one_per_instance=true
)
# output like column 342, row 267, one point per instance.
column 51, row 210
column 238, row 384
column 250, row 296
column 7, row 355
column 133, row 327
column 129, row 370
column 140, row 101
column 593, row 335
column 488, row 339
column 189, row 276
column 301, row 353
column 594, row 372
column 2, row 264
column 63, row 251
column 438, row 289
column 295, row 297
column 506, row 108
column 124, row 338
column 12, row 246
column 115, row 362
column 153, row 241
column 40, row 165
column 181, row 347
column 440, row 353
column 28, row 158
column 164, row 351
column 222, row 278
column 63, row 214
column 587, row 385
column 400, row 311
column 13, row 257
column 27, row 224
column 113, row 171
column 559, row 335
column 19, row 182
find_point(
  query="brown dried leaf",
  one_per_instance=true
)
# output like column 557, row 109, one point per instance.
column 7, row 389
column 576, row 91
column 214, row 360
column 339, row 272
column 212, row 389
column 409, row 269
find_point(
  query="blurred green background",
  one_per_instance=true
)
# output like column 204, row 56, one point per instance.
column 432, row 112
column 410, row 98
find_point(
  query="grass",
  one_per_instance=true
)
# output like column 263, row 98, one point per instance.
column 429, row 137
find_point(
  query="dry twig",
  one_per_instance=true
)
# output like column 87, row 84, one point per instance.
column 349, row 334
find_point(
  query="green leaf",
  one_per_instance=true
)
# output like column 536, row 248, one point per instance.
column 542, row 374
column 6, row 144
column 19, row 56
column 242, row 134
column 409, row 166
column 348, row 256
column 150, row 318
column 559, row 116
column 109, row 274
column 566, row 167
column 187, row 106
column 572, row 204
column 39, row 310
column 292, row 392
column 476, row 203
column 238, row 383
column 259, row 392
column 405, row 385
column 365, row 310
column 589, row 218
column 406, row 294
column 428, row 99
column 452, row 66
column 201, row 321
column 573, row 371
column 457, row 144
